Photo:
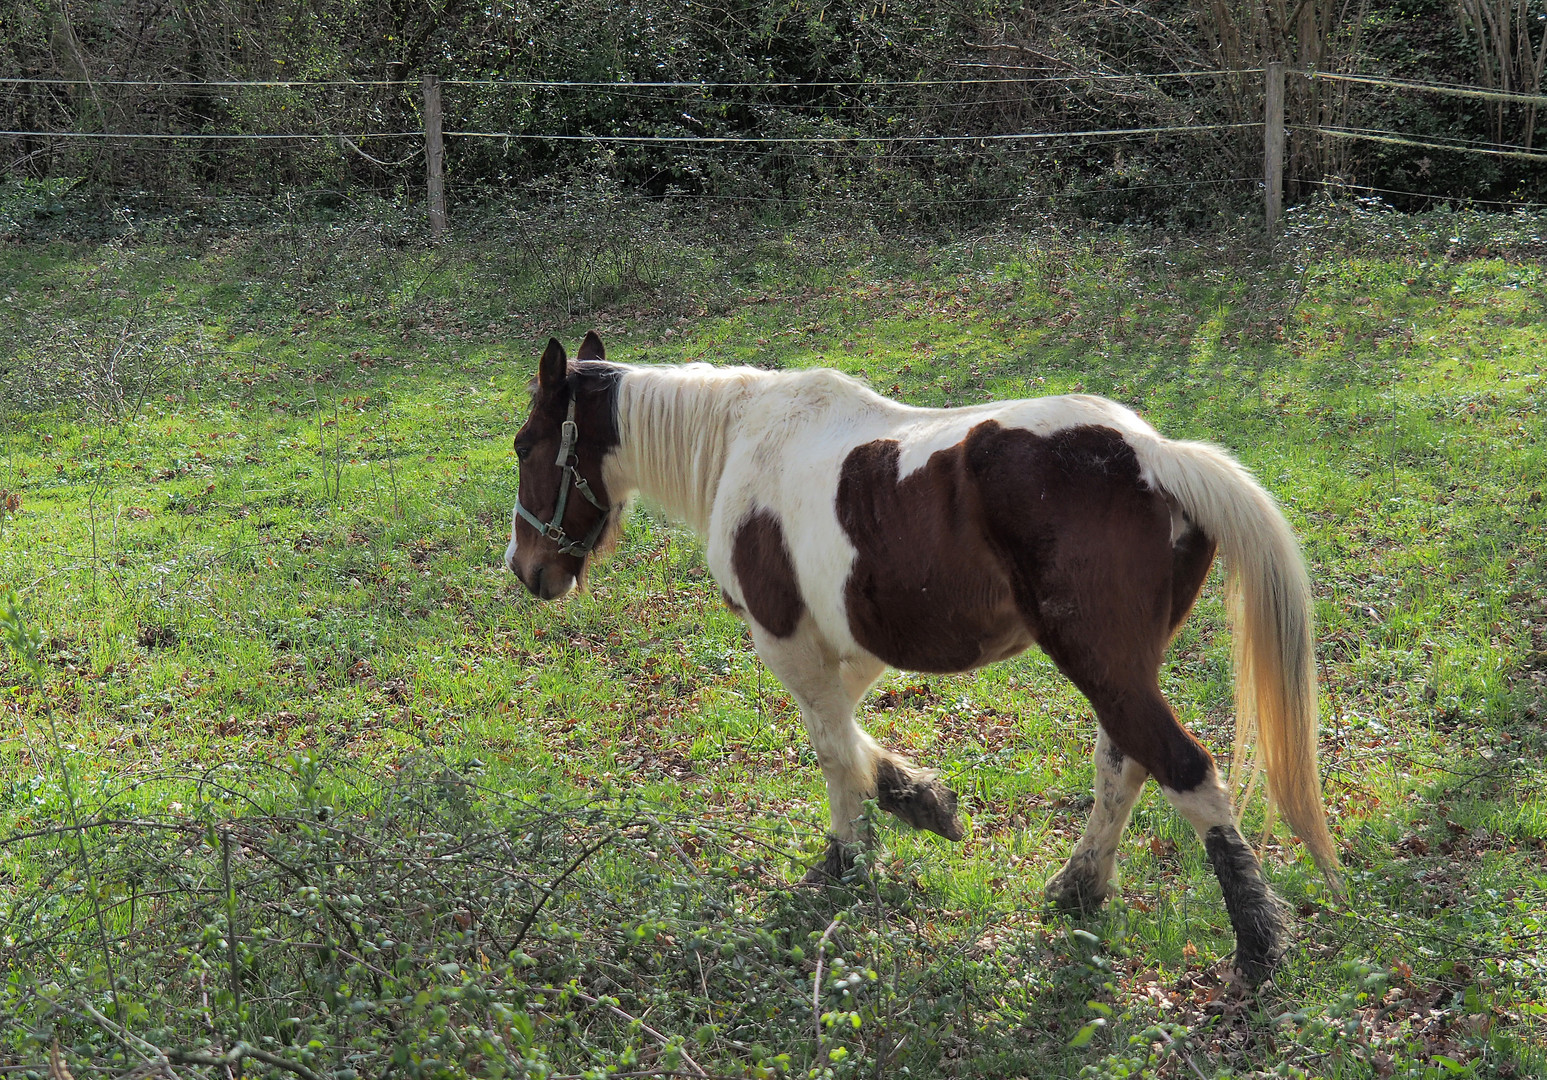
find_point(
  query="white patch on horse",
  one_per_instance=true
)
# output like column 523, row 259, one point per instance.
column 1206, row 805
column 510, row 549
column 1092, row 866
column 827, row 689
column 923, row 432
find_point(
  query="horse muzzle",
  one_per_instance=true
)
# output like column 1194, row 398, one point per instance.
column 547, row 582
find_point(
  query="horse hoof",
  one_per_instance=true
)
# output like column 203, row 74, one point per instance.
column 1075, row 897
column 1256, row 968
column 918, row 799
column 836, row 862
column 1258, row 916
column 1259, row 945
column 1076, row 889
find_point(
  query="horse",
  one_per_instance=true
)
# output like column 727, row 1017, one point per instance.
column 853, row 533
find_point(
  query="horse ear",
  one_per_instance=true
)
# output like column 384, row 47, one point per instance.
column 553, row 368
column 591, row 348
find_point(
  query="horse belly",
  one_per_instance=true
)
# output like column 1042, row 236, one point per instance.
column 939, row 626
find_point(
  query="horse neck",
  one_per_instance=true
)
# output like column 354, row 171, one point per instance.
column 674, row 428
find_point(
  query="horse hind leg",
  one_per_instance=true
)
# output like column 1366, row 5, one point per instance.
column 1259, row 918
column 1082, row 885
column 1143, row 725
column 1105, row 617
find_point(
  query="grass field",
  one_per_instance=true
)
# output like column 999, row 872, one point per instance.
column 350, row 803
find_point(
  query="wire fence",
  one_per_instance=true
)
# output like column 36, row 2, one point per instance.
column 630, row 84
column 1443, row 89
column 740, row 141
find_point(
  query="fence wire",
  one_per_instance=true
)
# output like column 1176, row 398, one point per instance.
column 766, row 158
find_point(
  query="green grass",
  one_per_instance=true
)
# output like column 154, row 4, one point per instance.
column 289, row 554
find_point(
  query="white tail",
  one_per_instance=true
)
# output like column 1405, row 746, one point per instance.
column 1268, row 599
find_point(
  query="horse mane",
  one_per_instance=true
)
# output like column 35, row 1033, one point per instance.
column 674, row 426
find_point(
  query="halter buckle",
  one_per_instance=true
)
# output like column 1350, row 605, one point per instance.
column 568, row 434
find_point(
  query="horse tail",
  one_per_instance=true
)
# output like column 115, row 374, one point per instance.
column 1268, row 601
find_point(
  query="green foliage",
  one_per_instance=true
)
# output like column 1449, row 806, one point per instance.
column 22, row 638
column 24, row 201
column 438, row 925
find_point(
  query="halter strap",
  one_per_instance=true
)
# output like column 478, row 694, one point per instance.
column 569, row 477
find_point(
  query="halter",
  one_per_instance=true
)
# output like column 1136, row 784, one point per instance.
column 567, row 460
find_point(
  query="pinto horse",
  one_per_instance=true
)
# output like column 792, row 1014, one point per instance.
column 853, row 533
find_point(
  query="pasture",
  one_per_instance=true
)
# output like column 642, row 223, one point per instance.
column 350, row 803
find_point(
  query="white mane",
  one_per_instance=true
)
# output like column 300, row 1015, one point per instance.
column 673, row 426
column 676, row 425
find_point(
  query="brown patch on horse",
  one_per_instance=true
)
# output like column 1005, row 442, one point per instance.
column 1191, row 557
column 917, row 798
column 927, row 591
column 1094, row 573
column 766, row 574
column 1141, row 722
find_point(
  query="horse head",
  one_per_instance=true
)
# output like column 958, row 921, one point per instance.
column 563, row 510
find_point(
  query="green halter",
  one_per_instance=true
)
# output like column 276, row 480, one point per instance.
column 554, row 530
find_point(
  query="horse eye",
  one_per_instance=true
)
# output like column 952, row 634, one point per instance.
column 522, row 452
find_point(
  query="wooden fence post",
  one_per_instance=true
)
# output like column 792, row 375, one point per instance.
column 1273, row 144
column 434, row 158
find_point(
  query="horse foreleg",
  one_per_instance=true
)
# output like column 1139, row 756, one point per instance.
column 854, row 765
column 901, row 788
column 826, row 694
column 1085, row 880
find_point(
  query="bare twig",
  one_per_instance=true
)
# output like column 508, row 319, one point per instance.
column 167, row 1058
column 56, row 1066
column 816, row 981
column 230, row 898
column 665, row 1074
column 349, row 143
column 130, row 1041
column 526, row 923
column 235, row 1055
column 100, row 823
column 25, row 640
column 1176, row 1047
column 386, row 434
